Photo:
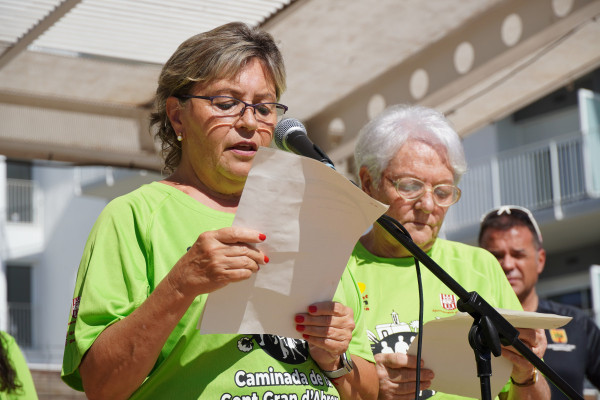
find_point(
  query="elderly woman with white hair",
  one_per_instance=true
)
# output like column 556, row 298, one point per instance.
column 410, row 158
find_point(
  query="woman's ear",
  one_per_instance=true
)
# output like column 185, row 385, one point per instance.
column 365, row 180
column 174, row 111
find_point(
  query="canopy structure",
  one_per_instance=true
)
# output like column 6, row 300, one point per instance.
column 77, row 77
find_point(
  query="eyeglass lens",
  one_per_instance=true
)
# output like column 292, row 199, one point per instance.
column 229, row 106
column 412, row 189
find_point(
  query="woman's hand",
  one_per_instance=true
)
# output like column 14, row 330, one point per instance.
column 216, row 259
column 123, row 355
column 397, row 375
column 327, row 327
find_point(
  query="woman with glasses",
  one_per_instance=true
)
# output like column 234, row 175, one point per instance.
column 411, row 159
column 155, row 254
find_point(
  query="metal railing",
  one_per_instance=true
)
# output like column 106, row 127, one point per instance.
column 19, row 323
column 20, row 195
column 545, row 175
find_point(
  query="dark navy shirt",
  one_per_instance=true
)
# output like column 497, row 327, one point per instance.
column 573, row 350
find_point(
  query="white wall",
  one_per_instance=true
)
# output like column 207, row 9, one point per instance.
column 536, row 129
column 67, row 220
column 481, row 145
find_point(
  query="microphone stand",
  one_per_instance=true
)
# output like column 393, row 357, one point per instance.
column 489, row 328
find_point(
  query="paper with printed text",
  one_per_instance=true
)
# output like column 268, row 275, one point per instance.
column 312, row 216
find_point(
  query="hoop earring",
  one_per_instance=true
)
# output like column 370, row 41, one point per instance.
column 179, row 137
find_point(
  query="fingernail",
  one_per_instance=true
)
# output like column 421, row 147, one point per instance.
column 300, row 328
column 266, row 259
column 299, row 319
column 262, row 236
column 312, row 309
column 305, row 336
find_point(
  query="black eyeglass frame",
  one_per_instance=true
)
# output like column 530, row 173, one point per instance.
column 278, row 106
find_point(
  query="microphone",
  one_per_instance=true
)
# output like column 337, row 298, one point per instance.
column 290, row 135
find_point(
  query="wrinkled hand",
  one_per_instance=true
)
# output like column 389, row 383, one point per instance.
column 535, row 339
column 327, row 327
column 216, row 259
column 397, row 375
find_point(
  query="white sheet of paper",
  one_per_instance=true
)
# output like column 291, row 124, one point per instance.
column 447, row 352
column 312, row 216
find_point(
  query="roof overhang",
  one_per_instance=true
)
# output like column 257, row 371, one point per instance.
column 475, row 60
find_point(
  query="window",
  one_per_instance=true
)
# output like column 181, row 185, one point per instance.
column 19, row 192
column 578, row 298
column 19, row 303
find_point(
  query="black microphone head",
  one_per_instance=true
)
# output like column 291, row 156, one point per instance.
column 284, row 128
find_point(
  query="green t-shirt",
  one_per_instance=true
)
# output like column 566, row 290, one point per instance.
column 390, row 293
column 26, row 391
column 133, row 245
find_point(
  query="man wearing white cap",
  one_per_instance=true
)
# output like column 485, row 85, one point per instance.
column 513, row 236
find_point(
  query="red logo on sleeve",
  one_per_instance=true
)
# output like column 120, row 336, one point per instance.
column 75, row 307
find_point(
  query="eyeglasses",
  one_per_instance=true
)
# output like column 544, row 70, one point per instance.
column 444, row 195
column 226, row 106
column 518, row 212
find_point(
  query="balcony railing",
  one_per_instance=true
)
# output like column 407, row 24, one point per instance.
column 19, row 317
column 20, row 195
column 546, row 175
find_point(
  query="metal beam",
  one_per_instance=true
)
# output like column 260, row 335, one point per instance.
column 37, row 31
column 68, row 104
column 78, row 156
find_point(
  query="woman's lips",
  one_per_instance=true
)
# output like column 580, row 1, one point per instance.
column 244, row 148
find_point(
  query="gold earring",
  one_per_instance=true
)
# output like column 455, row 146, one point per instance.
column 180, row 137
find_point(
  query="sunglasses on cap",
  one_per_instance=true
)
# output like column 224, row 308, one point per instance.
column 519, row 212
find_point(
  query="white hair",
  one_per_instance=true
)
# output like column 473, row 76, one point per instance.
column 381, row 138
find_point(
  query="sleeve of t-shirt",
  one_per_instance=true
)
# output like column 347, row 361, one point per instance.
column 111, row 282
column 19, row 364
column 592, row 369
column 348, row 293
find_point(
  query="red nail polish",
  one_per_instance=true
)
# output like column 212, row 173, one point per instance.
column 300, row 328
column 299, row 319
column 262, row 236
column 266, row 260
column 305, row 336
column 312, row 309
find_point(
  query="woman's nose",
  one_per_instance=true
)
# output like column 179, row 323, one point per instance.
column 425, row 203
column 247, row 119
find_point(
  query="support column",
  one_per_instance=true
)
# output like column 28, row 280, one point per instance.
column 3, row 244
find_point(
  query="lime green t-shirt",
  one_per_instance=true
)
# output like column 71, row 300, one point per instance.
column 390, row 293
column 26, row 391
column 133, row 245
